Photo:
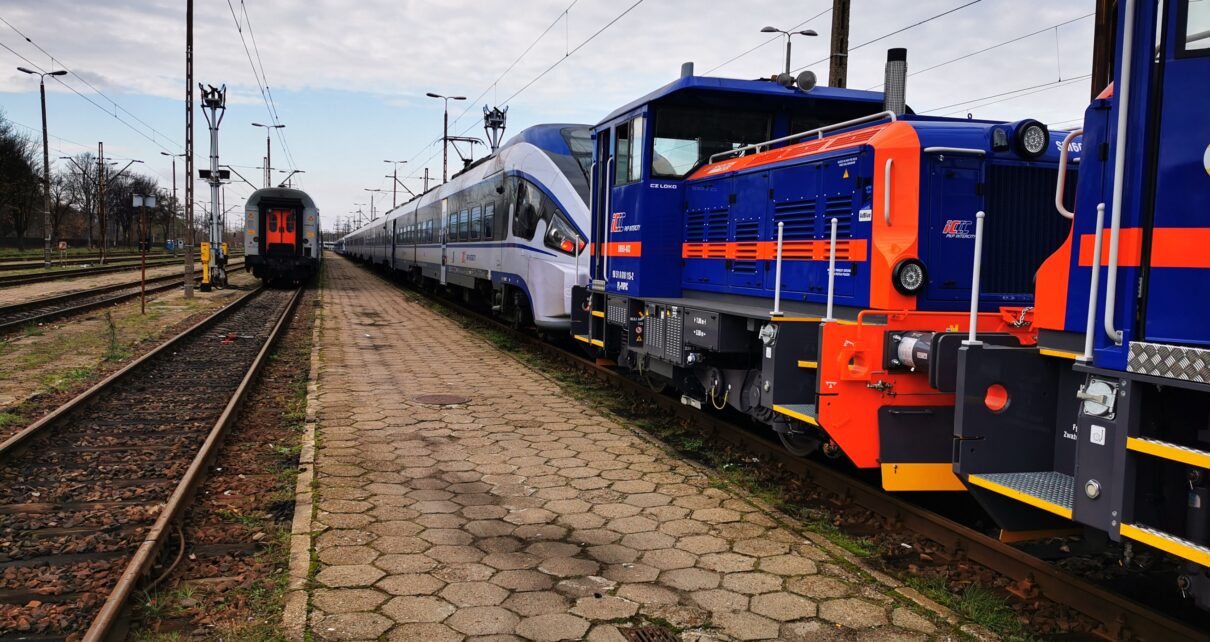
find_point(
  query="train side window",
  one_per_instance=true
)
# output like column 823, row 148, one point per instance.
column 476, row 223
column 464, row 225
column 489, row 212
column 529, row 210
column 1195, row 17
column 628, row 157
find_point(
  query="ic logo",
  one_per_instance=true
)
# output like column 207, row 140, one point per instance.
column 615, row 223
column 958, row 229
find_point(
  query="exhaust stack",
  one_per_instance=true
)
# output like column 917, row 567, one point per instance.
column 686, row 69
column 894, row 97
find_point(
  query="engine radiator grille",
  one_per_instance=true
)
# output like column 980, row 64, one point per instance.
column 1022, row 227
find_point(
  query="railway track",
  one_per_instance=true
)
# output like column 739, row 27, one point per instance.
column 1121, row 618
column 90, row 493
column 9, row 265
column 52, row 307
column 12, row 280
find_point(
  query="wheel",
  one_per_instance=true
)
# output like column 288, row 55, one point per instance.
column 521, row 317
column 799, row 444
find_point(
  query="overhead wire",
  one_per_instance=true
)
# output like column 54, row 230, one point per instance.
column 60, row 63
column 113, row 115
column 987, row 49
column 1006, row 95
column 281, row 137
column 767, row 42
column 895, row 32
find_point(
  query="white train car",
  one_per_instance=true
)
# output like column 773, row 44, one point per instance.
column 509, row 231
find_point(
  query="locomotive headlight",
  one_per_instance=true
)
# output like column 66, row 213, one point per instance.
column 1032, row 138
column 909, row 277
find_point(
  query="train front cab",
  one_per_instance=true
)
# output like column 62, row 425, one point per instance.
column 1117, row 440
column 684, row 275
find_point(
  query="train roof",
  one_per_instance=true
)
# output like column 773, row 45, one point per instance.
column 754, row 88
column 547, row 137
column 280, row 193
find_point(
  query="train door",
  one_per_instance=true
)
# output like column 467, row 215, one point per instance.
column 281, row 231
column 445, row 232
column 1177, row 290
column 394, row 232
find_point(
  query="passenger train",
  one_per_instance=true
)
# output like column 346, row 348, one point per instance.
column 281, row 236
column 508, row 231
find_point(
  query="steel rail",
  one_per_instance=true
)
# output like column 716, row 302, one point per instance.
column 26, row 279
column 1123, row 619
column 162, row 283
column 144, row 556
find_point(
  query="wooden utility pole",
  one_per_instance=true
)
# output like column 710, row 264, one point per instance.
column 838, row 68
column 1102, row 46
column 189, row 149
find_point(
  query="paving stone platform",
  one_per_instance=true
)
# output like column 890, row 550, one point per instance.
column 524, row 515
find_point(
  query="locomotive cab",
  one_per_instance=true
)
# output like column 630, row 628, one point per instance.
column 1106, row 423
column 814, row 280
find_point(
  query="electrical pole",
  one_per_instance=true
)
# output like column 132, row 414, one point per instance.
column 101, row 197
column 214, row 107
column 188, row 149
column 45, row 177
column 838, row 68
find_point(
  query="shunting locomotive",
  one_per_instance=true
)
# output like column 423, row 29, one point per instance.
column 281, row 235
column 804, row 255
column 1106, row 421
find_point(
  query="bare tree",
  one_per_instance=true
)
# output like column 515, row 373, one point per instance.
column 20, row 184
column 82, row 178
column 60, row 202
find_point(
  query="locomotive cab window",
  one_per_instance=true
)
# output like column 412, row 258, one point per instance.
column 1195, row 22
column 628, row 153
column 685, row 138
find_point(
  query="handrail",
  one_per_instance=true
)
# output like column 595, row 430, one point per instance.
column 975, row 270
column 831, row 271
column 1094, row 284
column 1061, row 185
column 818, row 130
column 592, row 200
column 886, row 191
column 777, row 273
column 608, row 219
column 1119, row 175
column 955, row 150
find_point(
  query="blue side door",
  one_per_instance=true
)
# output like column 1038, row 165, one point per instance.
column 1176, row 258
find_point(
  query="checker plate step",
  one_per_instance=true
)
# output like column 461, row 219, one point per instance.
column 1049, row 486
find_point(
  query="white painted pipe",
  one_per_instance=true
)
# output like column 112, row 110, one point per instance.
column 1061, row 185
column 831, row 271
column 777, row 273
column 975, row 270
column 1122, row 91
column 1094, row 284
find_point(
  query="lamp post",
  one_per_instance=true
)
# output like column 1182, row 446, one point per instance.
column 268, row 151
column 395, row 179
column 45, row 159
column 788, row 34
column 372, row 192
column 445, row 133
column 172, row 218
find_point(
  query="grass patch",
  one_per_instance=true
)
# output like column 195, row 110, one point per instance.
column 10, row 419
column 977, row 604
column 32, row 330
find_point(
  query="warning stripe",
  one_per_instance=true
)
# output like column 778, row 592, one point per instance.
column 1171, row 247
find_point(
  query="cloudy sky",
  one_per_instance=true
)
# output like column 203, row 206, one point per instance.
column 348, row 79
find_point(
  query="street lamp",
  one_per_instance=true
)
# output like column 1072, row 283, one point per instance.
column 395, row 177
column 45, row 158
column 788, row 34
column 268, row 151
column 172, row 218
column 372, row 191
column 445, row 133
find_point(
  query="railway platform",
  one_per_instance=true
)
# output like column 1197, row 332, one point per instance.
column 458, row 495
